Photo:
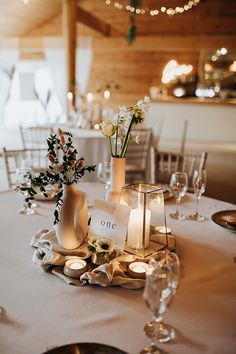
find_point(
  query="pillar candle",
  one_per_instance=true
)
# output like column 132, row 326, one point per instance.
column 135, row 228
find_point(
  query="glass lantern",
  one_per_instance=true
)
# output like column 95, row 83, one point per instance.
column 146, row 217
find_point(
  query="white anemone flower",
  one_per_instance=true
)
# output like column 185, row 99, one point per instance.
column 104, row 245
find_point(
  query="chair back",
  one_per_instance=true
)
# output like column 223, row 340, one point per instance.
column 167, row 162
column 192, row 162
column 13, row 160
column 138, row 156
column 35, row 137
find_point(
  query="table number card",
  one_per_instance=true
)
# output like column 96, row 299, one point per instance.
column 110, row 220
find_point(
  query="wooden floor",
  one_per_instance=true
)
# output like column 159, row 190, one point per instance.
column 221, row 168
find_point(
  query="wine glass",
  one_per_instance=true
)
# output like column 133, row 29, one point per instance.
column 166, row 332
column 178, row 186
column 157, row 295
column 104, row 174
column 23, row 180
column 199, row 186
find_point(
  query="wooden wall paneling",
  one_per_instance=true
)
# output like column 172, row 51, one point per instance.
column 134, row 71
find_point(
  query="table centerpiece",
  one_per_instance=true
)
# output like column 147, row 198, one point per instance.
column 119, row 133
column 64, row 170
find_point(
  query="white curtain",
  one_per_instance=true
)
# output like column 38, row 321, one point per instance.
column 8, row 60
column 56, row 60
column 84, row 57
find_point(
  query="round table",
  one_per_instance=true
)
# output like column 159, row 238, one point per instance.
column 42, row 311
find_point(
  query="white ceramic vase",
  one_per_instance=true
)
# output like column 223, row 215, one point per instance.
column 72, row 228
column 117, row 179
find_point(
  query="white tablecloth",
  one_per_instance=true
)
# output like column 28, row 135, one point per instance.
column 43, row 311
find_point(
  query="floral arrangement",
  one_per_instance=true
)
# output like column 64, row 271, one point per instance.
column 102, row 249
column 65, row 168
column 121, row 126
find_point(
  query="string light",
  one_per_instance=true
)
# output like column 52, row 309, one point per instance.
column 154, row 11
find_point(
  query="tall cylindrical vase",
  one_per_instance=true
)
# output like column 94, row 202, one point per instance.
column 117, row 178
column 72, row 228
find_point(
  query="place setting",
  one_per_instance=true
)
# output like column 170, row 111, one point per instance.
column 225, row 219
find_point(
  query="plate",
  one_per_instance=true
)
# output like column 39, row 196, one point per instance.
column 225, row 219
column 85, row 348
column 51, row 192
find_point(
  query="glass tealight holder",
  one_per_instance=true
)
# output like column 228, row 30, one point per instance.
column 147, row 214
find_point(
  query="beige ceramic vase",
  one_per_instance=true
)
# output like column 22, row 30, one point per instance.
column 72, row 228
column 117, row 179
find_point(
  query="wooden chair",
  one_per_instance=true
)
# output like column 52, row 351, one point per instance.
column 138, row 157
column 167, row 162
column 13, row 160
column 35, row 137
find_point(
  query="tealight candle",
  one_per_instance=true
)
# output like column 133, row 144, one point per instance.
column 138, row 269
column 74, row 267
column 163, row 230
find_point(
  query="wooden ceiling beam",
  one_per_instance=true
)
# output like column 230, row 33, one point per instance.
column 95, row 23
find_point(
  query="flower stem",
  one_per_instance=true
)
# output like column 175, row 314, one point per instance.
column 116, row 140
column 127, row 146
column 110, row 145
column 126, row 141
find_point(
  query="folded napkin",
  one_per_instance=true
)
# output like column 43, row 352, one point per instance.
column 49, row 252
column 108, row 274
column 50, row 256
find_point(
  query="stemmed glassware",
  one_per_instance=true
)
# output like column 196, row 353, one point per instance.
column 158, row 292
column 199, row 186
column 166, row 332
column 104, row 174
column 178, row 186
column 23, row 180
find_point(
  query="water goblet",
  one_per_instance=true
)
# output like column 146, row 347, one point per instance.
column 166, row 332
column 179, row 186
column 157, row 294
column 23, row 181
column 104, row 174
column 199, row 186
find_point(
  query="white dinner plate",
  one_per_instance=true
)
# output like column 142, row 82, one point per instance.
column 85, row 348
column 222, row 218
